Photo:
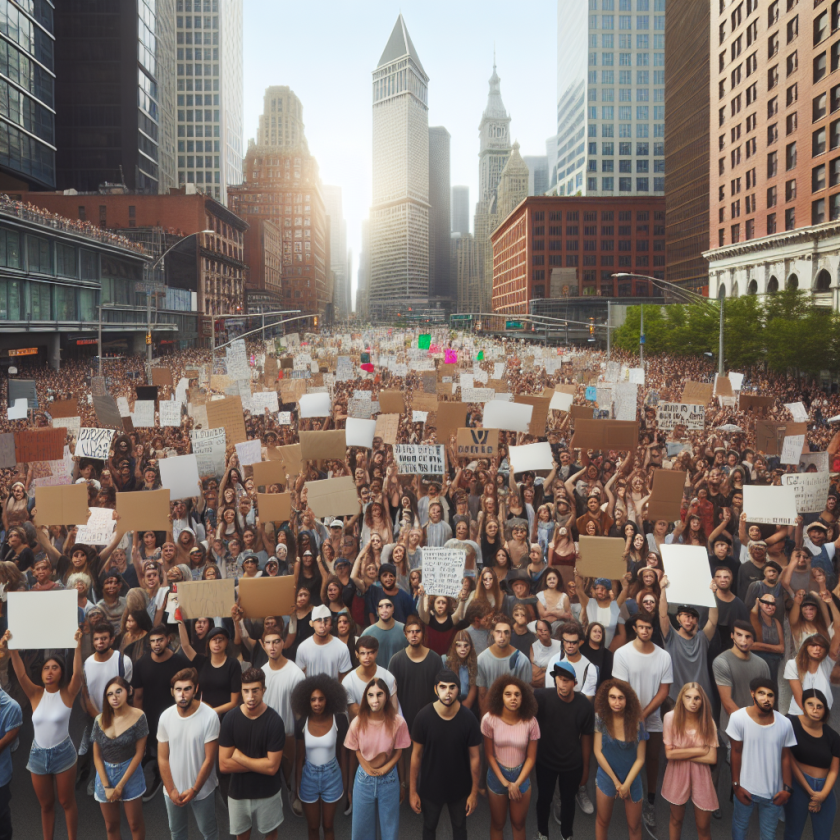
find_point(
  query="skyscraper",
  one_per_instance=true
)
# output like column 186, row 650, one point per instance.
column 460, row 210
column 399, row 214
column 610, row 98
column 338, row 249
column 210, row 94
column 363, row 276
column 114, row 94
column 537, row 174
column 440, row 284
column 493, row 154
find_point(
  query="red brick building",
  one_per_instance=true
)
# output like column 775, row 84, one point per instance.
column 550, row 247
column 219, row 255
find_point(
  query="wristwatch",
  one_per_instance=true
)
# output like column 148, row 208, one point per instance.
column 787, row 788
column 736, row 784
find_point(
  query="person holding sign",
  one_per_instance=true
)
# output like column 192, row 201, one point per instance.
column 52, row 758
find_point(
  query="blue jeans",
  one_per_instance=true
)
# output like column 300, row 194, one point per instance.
column 796, row 811
column 768, row 818
column 204, row 811
column 376, row 795
column 321, row 781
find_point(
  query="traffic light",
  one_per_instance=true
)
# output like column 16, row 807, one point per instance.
column 591, row 326
column 315, row 321
column 148, row 338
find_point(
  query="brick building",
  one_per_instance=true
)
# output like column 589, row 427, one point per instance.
column 551, row 247
column 219, row 281
column 264, row 255
column 774, row 192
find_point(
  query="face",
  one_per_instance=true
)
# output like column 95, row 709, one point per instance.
column 764, row 699
column 743, row 640
column 321, row 626
column 211, row 573
column 597, row 635
column 158, row 644
column 51, row 672
column 723, row 579
column 817, row 652
column 648, row 578
column 317, row 702
column 809, row 612
column 488, row 579
column 565, row 686
column 388, row 580
column 649, row 603
column 512, row 698
column 101, row 642
column 644, row 631
column 601, row 592
column 376, row 698
column 116, row 696
column 462, row 649
column 692, row 701
column 79, row 559
column 414, row 635
column 571, row 644
column 447, row 693
column 552, row 581
column 343, row 626
column 617, row 700
column 814, row 710
column 252, row 695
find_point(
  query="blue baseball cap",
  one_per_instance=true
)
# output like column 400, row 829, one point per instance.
column 564, row 669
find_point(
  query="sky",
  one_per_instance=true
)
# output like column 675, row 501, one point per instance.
column 326, row 50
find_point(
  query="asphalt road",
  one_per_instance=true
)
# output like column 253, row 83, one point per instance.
column 26, row 811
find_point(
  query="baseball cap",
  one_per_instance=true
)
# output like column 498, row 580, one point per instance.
column 811, row 525
column 685, row 608
column 336, row 523
column 341, row 561
column 387, row 567
column 756, row 544
column 320, row 612
column 564, row 669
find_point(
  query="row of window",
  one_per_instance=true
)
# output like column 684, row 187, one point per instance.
column 626, row 59
column 625, row 166
column 626, row 184
column 626, row 94
column 625, row 112
column 625, row 22
column 22, row 300
column 625, row 77
column 573, row 260
column 624, row 149
column 627, row 5
column 592, row 245
column 626, row 130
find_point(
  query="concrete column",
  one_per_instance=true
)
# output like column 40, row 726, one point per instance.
column 54, row 350
column 138, row 342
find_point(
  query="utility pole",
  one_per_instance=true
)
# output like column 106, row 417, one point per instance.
column 642, row 338
column 100, row 338
column 720, row 340
column 609, row 323
column 148, row 337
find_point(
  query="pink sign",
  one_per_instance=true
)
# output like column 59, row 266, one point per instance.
column 450, row 357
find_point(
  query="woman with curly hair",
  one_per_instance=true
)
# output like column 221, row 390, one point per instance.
column 511, row 732
column 463, row 660
column 378, row 735
column 320, row 705
column 620, row 737
column 691, row 739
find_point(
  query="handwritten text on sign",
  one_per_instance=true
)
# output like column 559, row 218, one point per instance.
column 443, row 571
column 208, row 446
column 671, row 415
column 420, row 460
column 811, row 490
column 94, row 443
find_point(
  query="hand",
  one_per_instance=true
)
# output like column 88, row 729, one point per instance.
column 514, row 794
column 77, row 637
column 743, row 796
column 781, row 798
column 114, row 795
column 623, row 790
column 472, row 802
column 414, row 799
column 664, row 583
column 187, row 797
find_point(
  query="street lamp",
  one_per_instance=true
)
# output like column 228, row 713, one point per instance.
column 688, row 296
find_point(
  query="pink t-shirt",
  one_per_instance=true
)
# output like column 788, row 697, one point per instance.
column 377, row 738
column 510, row 743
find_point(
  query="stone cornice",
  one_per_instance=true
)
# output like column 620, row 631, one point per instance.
column 776, row 240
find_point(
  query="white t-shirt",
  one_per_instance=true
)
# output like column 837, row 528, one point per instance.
column 587, row 674
column 355, row 686
column 186, row 738
column 645, row 672
column 97, row 675
column 331, row 659
column 820, row 680
column 761, row 758
column 279, row 686
column 157, row 602
column 543, row 653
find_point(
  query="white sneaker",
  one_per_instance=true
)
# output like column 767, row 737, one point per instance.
column 541, row 836
column 649, row 816
column 583, row 801
column 91, row 785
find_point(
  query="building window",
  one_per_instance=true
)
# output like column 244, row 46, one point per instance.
column 771, row 197
column 792, row 29
column 790, row 190
column 749, row 229
column 820, row 66
column 772, row 107
column 834, row 173
column 773, row 77
column 772, row 164
column 834, row 207
column 818, row 178
column 771, row 223
column 790, row 218
column 819, row 107
column 791, row 123
column 790, row 156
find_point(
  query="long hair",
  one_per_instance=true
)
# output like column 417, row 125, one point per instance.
column 496, row 590
column 388, row 708
column 705, row 723
column 495, row 697
column 107, row 715
column 454, row 661
column 632, row 708
column 803, row 660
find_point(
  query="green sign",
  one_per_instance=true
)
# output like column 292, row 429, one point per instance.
column 460, row 317
column 424, row 341
column 514, row 325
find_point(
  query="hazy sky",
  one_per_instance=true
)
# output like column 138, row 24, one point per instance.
column 326, row 50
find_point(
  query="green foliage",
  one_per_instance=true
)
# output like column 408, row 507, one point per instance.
column 785, row 331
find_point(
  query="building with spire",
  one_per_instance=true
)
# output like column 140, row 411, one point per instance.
column 494, row 151
column 399, row 213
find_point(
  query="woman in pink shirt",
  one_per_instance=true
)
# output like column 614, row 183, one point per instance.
column 378, row 735
column 690, row 738
column 511, row 733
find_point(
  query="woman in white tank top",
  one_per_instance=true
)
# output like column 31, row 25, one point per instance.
column 52, row 759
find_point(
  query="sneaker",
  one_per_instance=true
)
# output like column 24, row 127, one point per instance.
column 717, row 814
column 649, row 816
column 297, row 807
column 151, row 792
column 349, row 809
column 583, row 801
column 91, row 785
column 541, row 836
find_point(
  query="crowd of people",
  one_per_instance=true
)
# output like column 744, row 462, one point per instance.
column 373, row 694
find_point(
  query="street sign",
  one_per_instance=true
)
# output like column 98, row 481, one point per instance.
column 514, row 325
column 460, row 317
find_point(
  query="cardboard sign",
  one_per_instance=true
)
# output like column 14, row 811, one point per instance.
column 290, row 456
column 274, row 507
column 161, row 376
column 666, row 495
column 264, row 596
column 144, row 511
column 333, row 497
column 143, row 415
column 179, row 475
column 227, row 414
column 723, row 387
column 477, row 443
column 262, row 400
column 64, row 505
column 320, row 446
column 450, row 416
column 249, row 452
column 387, row 426
column 391, row 402
column 269, row 472
column 206, row 598
column 39, row 445
column 94, row 443
column 107, row 412
column 170, row 413
column 530, row 457
column 43, row 620
column 64, row 408
column 359, row 432
column 539, row 416
column 746, row 401
column 699, row 393
column 602, row 557
column 770, row 436
column 443, row 571
column 420, row 459
column 208, row 446
column 671, row 415
column 811, row 490
column 581, row 412
column 689, row 575
column 770, row 505
column 606, row 434
column 512, row 417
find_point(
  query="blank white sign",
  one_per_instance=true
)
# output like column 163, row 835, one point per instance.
column 512, row 417
column 689, row 575
column 41, row 620
column 179, row 476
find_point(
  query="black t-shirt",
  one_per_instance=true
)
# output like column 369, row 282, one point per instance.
column 561, row 726
column 728, row 613
column 445, row 772
column 729, row 562
column 818, row 752
column 523, row 643
column 154, row 678
column 217, row 684
column 415, row 682
column 254, row 739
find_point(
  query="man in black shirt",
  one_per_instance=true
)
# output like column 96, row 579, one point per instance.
column 445, row 740
column 567, row 725
column 151, row 681
column 250, row 749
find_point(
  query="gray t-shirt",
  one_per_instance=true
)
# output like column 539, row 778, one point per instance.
column 390, row 641
column 480, row 639
column 689, row 660
column 737, row 674
column 490, row 667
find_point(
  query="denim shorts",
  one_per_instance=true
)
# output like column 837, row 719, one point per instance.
column 511, row 774
column 605, row 784
column 263, row 814
column 53, row 760
column 321, row 781
column 134, row 787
